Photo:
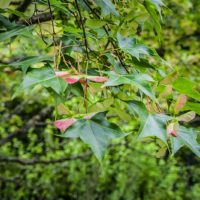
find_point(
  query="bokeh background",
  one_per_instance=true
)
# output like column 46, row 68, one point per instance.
column 36, row 164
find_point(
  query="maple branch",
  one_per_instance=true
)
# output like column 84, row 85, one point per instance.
column 37, row 18
column 21, row 8
column 15, row 3
column 37, row 161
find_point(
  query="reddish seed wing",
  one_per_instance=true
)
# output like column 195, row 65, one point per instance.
column 63, row 124
column 72, row 79
column 174, row 133
column 67, row 77
column 181, row 101
column 98, row 79
column 171, row 129
column 61, row 74
column 187, row 117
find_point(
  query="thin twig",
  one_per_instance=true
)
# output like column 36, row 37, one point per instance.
column 53, row 35
column 86, row 95
column 107, row 33
column 68, row 62
column 40, row 29
column 83, row 28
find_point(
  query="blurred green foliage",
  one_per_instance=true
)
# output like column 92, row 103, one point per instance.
column 131, row 170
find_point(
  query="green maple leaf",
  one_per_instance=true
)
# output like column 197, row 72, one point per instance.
column 141, row 81
column 187, row 137
column 96, row 132
column 151, row 124
column 130, row 45
column 44, row 76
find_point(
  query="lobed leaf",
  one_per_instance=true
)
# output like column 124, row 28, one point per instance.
column 129, row 45
column 155, row 125
column 95, row 131
column 46, row 77
column 138, row 80
column 151, row 124
column 187, row 137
